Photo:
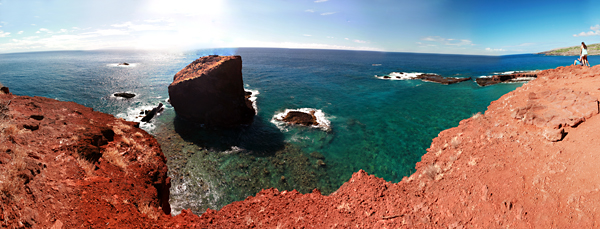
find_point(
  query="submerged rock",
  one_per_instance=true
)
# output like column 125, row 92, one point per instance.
column 124, row 63
column 443, row 80
column 210, row 91
column 124, row 95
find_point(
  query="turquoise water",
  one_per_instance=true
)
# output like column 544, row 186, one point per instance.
column 381, row 126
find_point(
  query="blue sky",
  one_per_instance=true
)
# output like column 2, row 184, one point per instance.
column 486, row 27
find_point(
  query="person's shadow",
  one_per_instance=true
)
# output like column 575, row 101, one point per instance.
column 260, row 138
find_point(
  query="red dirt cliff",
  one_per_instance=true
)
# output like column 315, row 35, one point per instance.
column 529, row 161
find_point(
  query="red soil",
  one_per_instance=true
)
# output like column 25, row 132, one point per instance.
column 513, row 166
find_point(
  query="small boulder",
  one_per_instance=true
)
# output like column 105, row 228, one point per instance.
column 554, row 135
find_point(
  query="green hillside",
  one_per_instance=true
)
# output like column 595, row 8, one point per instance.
column 593, row 49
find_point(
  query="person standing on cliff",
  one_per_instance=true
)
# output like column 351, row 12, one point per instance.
column 584, row 54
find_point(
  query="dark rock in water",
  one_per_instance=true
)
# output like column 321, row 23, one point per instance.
column 248, row 94
column 504, row 78
column 124, row 63
column 4, row 89
column 124, row 95
column 301, row 118
column 210, row 91
column 439, row 79
column 386, row 77
column 153, row 112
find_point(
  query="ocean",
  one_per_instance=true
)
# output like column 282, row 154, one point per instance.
column 380, row 126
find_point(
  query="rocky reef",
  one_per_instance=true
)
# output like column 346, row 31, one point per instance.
column 63, row 166
column 506, row 78
column 210, row 91
column 427, row 77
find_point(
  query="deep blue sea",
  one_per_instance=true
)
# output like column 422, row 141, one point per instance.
column 380, row 126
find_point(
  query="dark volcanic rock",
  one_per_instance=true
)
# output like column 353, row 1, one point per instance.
column 210, row 91
column 301, row 118
column 4, row 89
column 504, row 78
column 153, row 112
column 124, row 95
column 443, row 80
column 124, row 63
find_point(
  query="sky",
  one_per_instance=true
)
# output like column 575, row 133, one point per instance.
column 482, row 27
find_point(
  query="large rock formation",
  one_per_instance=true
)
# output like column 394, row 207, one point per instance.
column 210, row 91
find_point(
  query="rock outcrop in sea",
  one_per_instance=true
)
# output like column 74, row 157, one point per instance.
column 63, row 165
column 506, row 78
column 210, row 91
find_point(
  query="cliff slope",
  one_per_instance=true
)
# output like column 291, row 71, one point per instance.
column 529, row 161
column 63, row 165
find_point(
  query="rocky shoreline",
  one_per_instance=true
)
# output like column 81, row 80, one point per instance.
column 65, row 166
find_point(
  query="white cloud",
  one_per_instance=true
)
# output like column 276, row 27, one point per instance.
column 107, row 32
column 318, row 1
column 38, row 32
column 307, row 35
column 347, row 39
column 328, row 13
column 310, row 11
column 526, row 44
column 330, row 37
column 33, row 24
column 45, row 30
column 595, row 31
column 20, row 32
column 361, row 42
column 143, row 27
column 293, row 45
column 449, row 41
column 494, row 50
column 3, row 34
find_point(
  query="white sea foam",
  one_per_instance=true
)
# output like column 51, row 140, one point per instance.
column 253, row 98
column 400, row 76
column 322, row 121
column 185, row 193
column 522, row 79
column 376, row 65
column 133, row 115
column 131, row 65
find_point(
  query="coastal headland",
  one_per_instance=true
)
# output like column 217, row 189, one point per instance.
column 529, row 161
column 593, row 49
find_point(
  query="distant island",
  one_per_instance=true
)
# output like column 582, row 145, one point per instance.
column 593, row 49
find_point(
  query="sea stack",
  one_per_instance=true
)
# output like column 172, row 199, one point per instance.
column 210, row 91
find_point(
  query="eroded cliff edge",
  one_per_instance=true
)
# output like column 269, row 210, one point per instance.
column 529, row 161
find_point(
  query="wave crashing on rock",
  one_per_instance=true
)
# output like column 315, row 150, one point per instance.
column 304, row 116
